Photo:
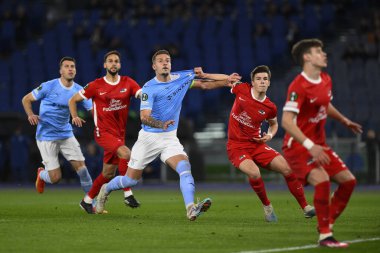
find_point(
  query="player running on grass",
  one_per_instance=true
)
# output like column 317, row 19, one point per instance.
column 246, row 146
column 111, row 96
column 313, row 161
column 160, row 109
column 54, row 133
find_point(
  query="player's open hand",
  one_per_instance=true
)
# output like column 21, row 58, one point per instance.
column 233, row 79
column 263, row 139
column 319, row 155
column 199, row 72
column 167, row 124
column 78, row 121
column 33, row 119
column 355, row 127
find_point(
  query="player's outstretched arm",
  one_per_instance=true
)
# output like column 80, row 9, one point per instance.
column 148, row 120
column 27, row 104
column 73, row 110
column 210, row 84
column 316, row 151
column 335, row 114
column 215, row 77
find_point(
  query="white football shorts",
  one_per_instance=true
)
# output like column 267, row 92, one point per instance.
column 69, row 148
column 149, row 145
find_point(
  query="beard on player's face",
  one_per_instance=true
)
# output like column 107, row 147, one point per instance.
column 113, row 72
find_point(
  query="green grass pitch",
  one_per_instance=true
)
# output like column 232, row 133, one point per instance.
column 53, row 222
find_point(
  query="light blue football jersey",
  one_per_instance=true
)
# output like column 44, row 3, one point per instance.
column 165, row 98
column 54, row 112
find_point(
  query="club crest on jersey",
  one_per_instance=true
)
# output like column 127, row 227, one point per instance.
column 293, row 96
column 123, row 90
column 144, row 97
column 262, row 112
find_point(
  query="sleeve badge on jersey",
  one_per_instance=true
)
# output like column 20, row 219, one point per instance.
column 293, row 96
column 85, row 87
column 39, row 88
column 144, row 97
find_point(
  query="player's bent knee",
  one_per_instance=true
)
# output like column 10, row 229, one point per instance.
column 55, row 179
column 286, row 170
column 123, row 152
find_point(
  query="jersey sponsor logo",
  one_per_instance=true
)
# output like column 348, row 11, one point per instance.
column 144, row 97
column 115, row 105
column 312, row 100
column 262, row 112
column 123, row 90
column 321, row 115
column 179, row 89
column 102, row 93
column 293, row 96
column 244, row 119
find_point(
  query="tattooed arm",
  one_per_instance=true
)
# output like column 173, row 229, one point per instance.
column 148, row 120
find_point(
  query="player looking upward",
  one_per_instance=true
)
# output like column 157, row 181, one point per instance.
column 307, row 106
column 111, row 96
column 54, row 133
column 246, row 145
column 160, row 109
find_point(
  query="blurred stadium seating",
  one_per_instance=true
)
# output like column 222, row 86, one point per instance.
column 221, row 36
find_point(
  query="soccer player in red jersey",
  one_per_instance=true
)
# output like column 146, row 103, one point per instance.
column 111, row 96
column 307, row 106
column 246, row 146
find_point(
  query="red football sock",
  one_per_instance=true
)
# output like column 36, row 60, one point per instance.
column 322, row 206
column 123, row 167
column 340, row 199
column 258, row 186
column 296, row 188
column 96, row 185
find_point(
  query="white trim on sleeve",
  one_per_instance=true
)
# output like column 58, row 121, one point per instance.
column 83, row 96
column 291, row 109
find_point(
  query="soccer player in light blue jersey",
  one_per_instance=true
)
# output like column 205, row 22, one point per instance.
column 54, row 131
column 160, row 109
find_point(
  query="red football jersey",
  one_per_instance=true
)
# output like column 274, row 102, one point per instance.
column 310, row 100
column 247, row 115
column 111, row 103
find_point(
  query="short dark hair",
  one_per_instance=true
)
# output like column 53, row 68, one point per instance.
column 260, row 69
column 302, row 47
column 161, row 51
column 111, row 52
column 66, row 58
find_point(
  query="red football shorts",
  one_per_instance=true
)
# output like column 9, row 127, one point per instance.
column 110, row 144
column 301, row 162
column 261, row 154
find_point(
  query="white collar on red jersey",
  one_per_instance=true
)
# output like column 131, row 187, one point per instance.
column 314, row 81
column 253, row 96
column 112, row 83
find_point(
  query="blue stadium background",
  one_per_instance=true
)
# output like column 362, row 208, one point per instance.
column 221, row 36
